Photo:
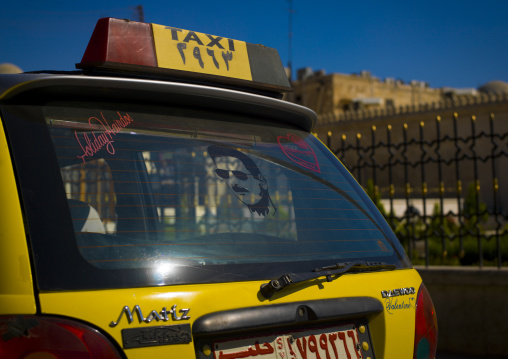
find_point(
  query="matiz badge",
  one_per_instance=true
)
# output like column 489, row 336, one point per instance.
column 163, row 315
column 397, row 292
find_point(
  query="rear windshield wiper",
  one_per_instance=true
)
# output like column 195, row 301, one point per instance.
column 275, row 285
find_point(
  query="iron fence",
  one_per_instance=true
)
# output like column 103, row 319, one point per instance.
column 440, row 185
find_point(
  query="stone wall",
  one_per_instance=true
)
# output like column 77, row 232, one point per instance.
column 338, row 93
column 465, row 105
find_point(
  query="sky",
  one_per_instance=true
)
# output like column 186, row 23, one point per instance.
column 445, row 43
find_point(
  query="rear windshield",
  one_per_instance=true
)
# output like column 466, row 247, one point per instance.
column 158, row 196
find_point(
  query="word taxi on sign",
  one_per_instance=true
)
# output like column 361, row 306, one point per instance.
column 197, row 52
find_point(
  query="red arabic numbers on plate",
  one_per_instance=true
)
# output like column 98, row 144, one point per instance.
column 352, row 335
column 313, row 346
column 323, row 343
column 332, row 337
column 342, row 337
column 290, row 347
column 302, row 348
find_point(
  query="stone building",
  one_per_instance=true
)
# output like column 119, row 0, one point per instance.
column 340, row 93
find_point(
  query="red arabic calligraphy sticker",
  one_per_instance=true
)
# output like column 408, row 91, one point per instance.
column 299, row 151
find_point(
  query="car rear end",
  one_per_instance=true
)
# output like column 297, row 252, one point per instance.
column 148, row 217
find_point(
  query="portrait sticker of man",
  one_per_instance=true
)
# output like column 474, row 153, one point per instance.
column 243, row 178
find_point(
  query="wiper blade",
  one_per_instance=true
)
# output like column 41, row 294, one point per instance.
column 275, row 285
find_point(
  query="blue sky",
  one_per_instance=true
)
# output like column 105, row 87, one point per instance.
column 452, row 43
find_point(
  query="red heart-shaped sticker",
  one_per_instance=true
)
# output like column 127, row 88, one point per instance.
column 299, row 151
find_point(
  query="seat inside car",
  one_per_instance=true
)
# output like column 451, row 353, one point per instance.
column 85, row 218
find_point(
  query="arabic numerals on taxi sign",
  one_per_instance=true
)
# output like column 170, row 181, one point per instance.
column 227, row 56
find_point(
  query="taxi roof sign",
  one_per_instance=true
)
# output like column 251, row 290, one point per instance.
column 132, row 46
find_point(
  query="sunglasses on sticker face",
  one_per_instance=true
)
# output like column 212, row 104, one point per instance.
column 225, row 174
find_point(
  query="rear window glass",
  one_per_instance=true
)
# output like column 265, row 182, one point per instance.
column 196, row 197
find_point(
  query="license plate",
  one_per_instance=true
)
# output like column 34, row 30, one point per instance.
column 341, row 342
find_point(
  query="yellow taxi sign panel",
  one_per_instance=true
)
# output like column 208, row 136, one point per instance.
column 138, row 47
column 197, row 52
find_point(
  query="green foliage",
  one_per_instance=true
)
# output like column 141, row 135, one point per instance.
column 468, row 255
column 373, row 192
column 473, row 208
column 449, row 241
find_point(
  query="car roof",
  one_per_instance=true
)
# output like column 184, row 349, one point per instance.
column 18, row 88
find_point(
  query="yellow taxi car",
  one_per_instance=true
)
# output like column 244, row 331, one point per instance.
column 162, row 201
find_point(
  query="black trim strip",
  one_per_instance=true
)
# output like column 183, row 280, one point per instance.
column 271, row 316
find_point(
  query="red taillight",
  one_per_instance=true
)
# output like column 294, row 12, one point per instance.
column 27, row 337
column 425, row 326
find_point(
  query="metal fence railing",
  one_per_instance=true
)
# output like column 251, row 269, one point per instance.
column 441, row 185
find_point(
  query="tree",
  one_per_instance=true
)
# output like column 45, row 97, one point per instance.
column 474, row 211
column 375, row 196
